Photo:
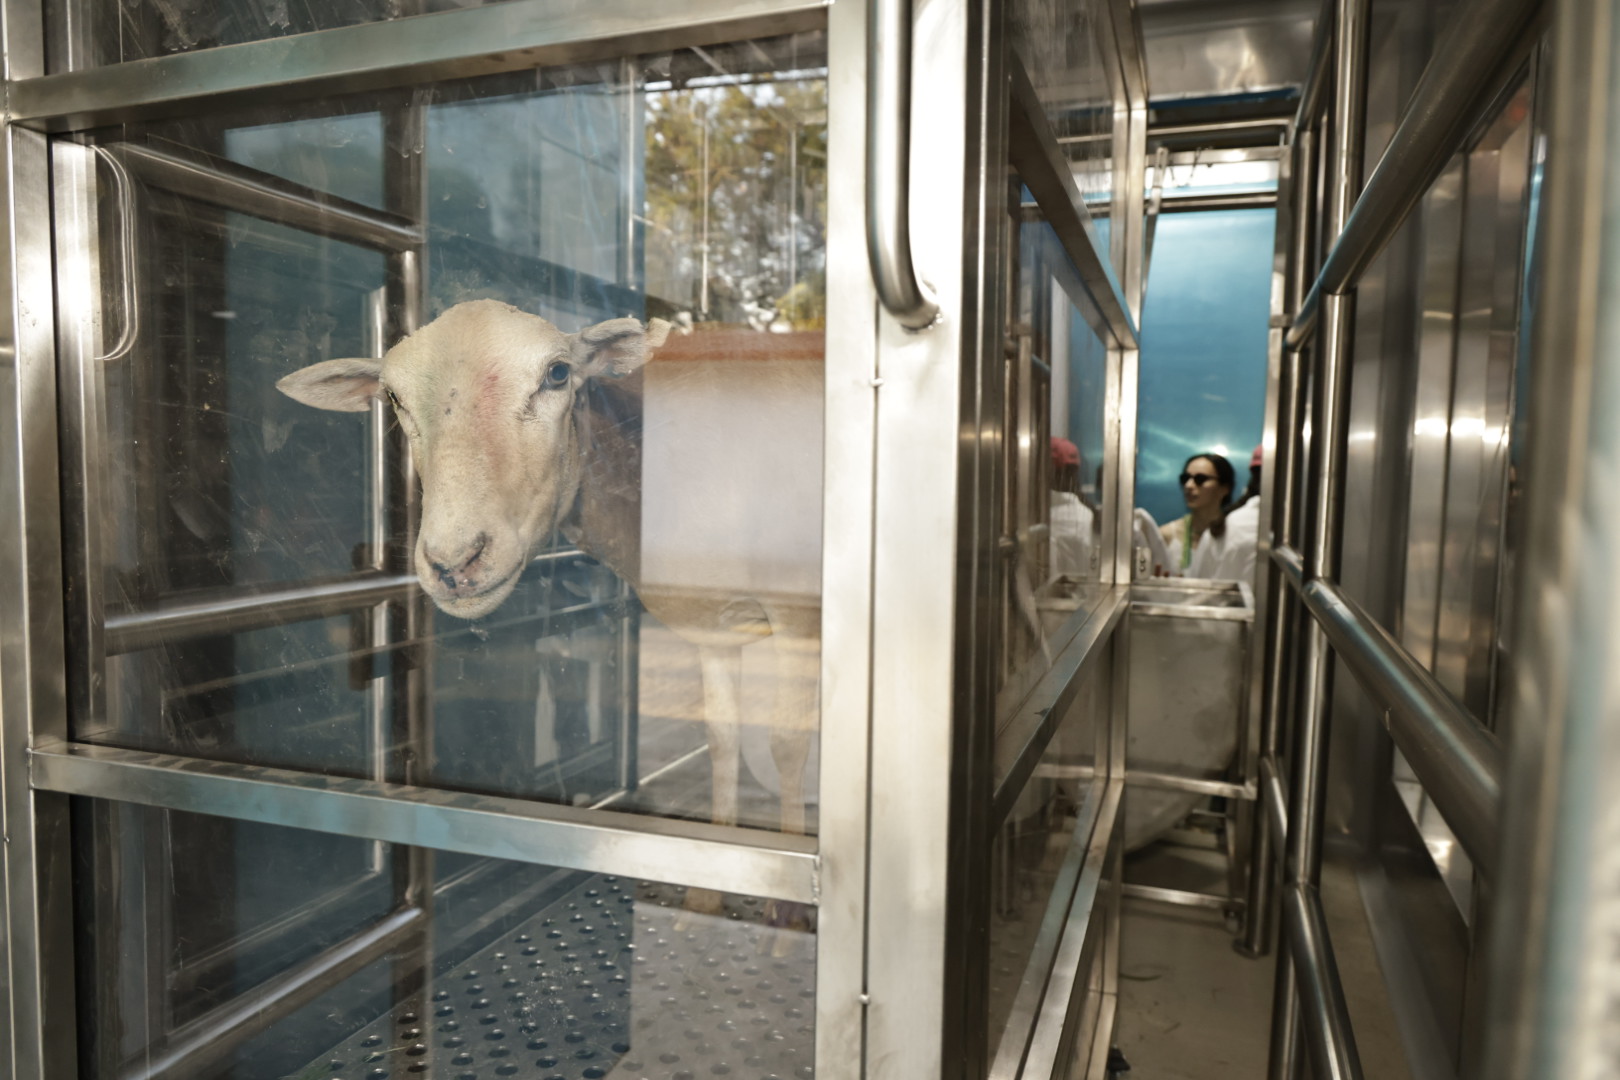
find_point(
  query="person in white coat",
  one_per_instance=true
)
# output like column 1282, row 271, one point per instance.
column 1227, row 552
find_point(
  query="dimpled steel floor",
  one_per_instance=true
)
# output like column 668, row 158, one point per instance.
column 614, row 980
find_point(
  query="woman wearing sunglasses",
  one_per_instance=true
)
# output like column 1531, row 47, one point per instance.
column 1200, row 543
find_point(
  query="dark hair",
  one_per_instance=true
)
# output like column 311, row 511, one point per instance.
column 1226, row 476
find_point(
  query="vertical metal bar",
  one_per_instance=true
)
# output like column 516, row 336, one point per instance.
column 405, row 193
column 1555, row 976
column 848, row 496
column 1308, row 788
column 33, row 705
column 1278, row 479
column 921, row 451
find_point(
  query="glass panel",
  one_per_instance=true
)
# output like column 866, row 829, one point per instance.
column 1466, row 449
column 1067, row 51
column 1032, row 845
column 1203, row 386
column 89, row 33
column 620, row 496
column 1054, row 413
column 214, row 948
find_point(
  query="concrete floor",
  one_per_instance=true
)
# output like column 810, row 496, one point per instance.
column 1192, row 1008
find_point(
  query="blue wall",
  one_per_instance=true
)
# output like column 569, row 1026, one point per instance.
column 1204, row 323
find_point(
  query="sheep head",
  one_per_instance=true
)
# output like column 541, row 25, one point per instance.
column 485, row 393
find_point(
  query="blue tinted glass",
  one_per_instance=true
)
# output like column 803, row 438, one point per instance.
column 1204, row 325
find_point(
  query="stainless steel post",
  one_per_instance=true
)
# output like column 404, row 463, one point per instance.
column 405, row 179
column 1278, row 480
column 1307, row 790
column 1554, row 969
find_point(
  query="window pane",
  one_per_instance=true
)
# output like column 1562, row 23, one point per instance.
column 216, row 948
column 600, row 587
column 90, row 33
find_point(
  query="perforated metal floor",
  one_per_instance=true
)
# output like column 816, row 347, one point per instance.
column 613, row 980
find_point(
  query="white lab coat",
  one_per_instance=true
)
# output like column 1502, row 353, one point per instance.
column 1229, row 557
column 1072, row 536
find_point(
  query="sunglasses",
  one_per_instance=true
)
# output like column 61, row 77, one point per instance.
column 1197, row 479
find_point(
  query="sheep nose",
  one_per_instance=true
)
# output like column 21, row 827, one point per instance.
column 447, row 567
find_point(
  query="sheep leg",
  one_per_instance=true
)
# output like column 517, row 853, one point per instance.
column 722, row 716
column 792, row 730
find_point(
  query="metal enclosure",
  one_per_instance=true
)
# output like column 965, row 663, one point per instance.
column 271, row 811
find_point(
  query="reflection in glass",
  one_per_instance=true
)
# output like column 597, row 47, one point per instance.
column 1068, row 53
column 89, row 33
column 1032, row 845
column 1054, row 415
column 607, row 591
column 215, row 948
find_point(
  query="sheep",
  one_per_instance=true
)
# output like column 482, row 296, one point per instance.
column 511, row 451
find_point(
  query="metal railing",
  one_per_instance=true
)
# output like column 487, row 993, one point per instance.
column 1481, row 36
column 1458, row 761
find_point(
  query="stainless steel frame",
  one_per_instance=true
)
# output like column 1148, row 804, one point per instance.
column 1552, row 973
column 400, row 52
column 887, row 869
column 1457, row 759
column 1444, row 106
column 732, row 859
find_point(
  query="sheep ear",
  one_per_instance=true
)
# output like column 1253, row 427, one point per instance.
column 617, row 347
column 338, row 385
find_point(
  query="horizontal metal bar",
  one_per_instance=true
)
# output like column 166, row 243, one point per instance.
column 341, row 902
column 1142, row 609
column 1457, row 760
column 1068, row 980
column 726, row 858
column 1181, row 897
column 1021, row 743
column 1275, row 802
column 514, row 36
column 1048, row 176
column 1169, row 782
column 1026, row 1004
column 657, row 774
column 1218, row 127
column 238, row 612
column 1481, row 35
column 1291, row 563
column 1246, row 200
column 249, row 191
column 1326, row 1016
column 210, row 1038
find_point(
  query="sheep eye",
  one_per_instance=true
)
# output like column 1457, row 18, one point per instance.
column 393, row 399
column 558, row 374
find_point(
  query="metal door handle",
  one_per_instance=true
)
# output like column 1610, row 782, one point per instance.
column 888, row 165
